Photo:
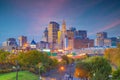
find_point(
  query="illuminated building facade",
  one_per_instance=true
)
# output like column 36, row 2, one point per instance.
column 53, row 29
column 33, row 44
column 83, row 43
column 22, row 40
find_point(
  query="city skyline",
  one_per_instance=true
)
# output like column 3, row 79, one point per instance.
column 30, row 18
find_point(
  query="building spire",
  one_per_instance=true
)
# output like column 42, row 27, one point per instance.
column 64, row 26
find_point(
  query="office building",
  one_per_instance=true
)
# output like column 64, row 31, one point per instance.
column 53, row 29
column 9, row 44
column 107, row 42
column 102, row 35
column 45, row 35
column 114, row 41
column 22, row 41
column 83, row 43
column 99, row 41
column 82, row 34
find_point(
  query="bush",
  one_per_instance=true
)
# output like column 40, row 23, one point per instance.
column 6, row 70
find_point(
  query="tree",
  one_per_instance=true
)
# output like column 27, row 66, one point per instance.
column 116, row 74
column 82, row 70
column 67, row 59
column 99, row 65
column 4, row 64
column 112, row 54
column 4, row 56
column 95, row 67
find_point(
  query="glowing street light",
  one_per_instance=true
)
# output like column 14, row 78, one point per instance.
column 62, row 68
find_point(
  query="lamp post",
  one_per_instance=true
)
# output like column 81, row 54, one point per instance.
column 40, row 78
column 16, row 68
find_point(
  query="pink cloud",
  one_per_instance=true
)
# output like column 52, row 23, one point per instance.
column 49, row 9
column 112, row 25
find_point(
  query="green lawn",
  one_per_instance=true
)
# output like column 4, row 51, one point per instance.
column 23, row 75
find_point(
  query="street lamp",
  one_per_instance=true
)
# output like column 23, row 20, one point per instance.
column 40, row 78
column 61, row 69
column 17, row 69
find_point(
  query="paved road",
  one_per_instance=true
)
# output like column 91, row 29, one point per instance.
column 60, row 75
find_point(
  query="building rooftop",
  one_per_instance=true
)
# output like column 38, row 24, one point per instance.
column 33, row 42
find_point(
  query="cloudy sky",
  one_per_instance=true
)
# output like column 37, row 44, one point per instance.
column 30, row 17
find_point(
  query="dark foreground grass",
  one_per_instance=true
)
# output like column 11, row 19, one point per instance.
column 22, row 75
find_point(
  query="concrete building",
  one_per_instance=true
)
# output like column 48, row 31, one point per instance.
column 114, row 41
column 33, row 45
column 107, row 42
column 53, row 29
column 70, row 34
column 63, row 35
column 42, row 45
column 45, row 35
column 118, row 39
column 99, row 41
column 102, row 35
column 70, row 43
column 83, row 43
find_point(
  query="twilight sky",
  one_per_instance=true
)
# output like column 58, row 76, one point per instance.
column 30, row 17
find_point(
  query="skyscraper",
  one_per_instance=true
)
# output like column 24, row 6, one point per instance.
column 53, row 29
column 45, row 35
column 64, row 27
column 22, row 40
column 63, row 35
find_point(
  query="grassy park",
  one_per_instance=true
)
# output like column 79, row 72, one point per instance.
column 23, row 75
